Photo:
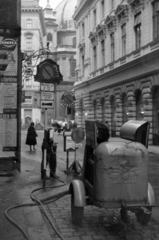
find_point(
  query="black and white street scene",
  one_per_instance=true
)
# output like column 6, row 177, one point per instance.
column 79, row 119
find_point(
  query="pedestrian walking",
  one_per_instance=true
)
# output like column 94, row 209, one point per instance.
column 31, row 136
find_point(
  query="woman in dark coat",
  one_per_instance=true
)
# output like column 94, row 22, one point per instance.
column 31, row 136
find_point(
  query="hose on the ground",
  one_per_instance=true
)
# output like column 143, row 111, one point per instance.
column 41, row 202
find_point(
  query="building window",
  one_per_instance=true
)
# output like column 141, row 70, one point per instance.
column 156, row 20
column 29, row 23
column 83, row 30
column 28, row 82
column 103, row 52
column 123, row 30
column 95, row 17
column 28, row 99
column 139, row 106
column 83, row 66
column 95, row 109
column 28, row 43
column 49, row 37
column 112, row 47
column 74, row 42
column 95, row 58
column 103, row 109
column 102, row 8
column 125, row 109
column 137, row 28
column 113, row 117
column 72, row 68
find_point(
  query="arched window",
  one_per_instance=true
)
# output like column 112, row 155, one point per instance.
column 95, row 108
column 103, row 108
column 49, row 37
column 156, row 117
column 113, row 117
column 139, row 108
column 124, row 109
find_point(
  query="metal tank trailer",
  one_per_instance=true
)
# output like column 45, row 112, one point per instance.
column 115, row 172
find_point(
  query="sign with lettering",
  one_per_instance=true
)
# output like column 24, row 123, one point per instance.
column 8, row 88
column 47, row 87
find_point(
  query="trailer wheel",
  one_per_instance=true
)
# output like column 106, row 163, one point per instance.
column 76, row 212
column 144, row 215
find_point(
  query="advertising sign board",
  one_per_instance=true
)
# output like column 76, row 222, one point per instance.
column 47, row 95
column 47, row 87
column 8, row 89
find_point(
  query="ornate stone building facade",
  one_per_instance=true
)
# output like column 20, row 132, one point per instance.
column 117, row 72
column 33, row 33
column 40, row 27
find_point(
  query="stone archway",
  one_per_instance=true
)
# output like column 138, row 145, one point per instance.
column 139, row 105
column 125, row 112
column 156, row 116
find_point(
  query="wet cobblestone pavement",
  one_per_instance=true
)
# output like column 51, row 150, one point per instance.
column 97, row 224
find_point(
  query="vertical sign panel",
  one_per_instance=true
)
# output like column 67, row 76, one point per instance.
column 8, row 89
column 10, row 81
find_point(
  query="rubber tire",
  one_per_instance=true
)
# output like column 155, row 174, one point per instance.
column 144, row 218
column 76, row 213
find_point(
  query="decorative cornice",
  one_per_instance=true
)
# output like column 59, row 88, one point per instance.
column 94, row 101
column 111, row 23
column 101, row 31
column 28, row 33
column 136, row 5
column 122, row 13
column 31, row 9
column 93, row 36
column 81, row 47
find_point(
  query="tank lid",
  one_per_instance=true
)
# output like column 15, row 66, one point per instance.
column 136, row 131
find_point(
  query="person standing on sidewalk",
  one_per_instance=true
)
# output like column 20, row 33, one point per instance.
column 31, row 137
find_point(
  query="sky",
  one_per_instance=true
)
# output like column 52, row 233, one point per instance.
column 53, row 3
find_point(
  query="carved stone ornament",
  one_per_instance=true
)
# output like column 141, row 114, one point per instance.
column 136, row 5
column 94, row 102
column 111, row 23
column 93, row 36
column 122, row 13
column 81, row 47
column 101, row 30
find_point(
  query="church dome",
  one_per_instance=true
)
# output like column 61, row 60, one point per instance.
column 64, row 12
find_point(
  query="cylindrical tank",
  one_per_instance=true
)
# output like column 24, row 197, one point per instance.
column 121, row 172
